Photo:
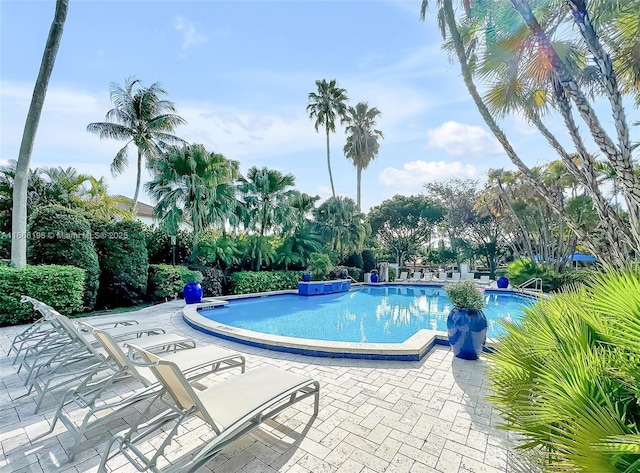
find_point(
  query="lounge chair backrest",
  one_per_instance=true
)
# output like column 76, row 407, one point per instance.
column 115, row 352
column 403, row 275
column 175, row 383
column 417, row 274
column 484, row 278
column 75, row 334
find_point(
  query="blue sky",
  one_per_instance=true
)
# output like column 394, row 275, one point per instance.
column 239, row 72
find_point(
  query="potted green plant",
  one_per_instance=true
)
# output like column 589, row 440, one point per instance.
column 466, row 323
column 306, row 276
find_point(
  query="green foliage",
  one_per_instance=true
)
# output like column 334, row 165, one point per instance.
column 522, row 270
column 248, row 282
column 212, row 280
column 63, row 236
column 355, row 273
column 159, row 248
column 166, row 281
column 62, row 287
column 320, row 266
column 565, row 377
column 466, row 295
column 5, row 245
column 223, row 250
column 122, row 253
column 369, row 260
column 355, row 260
column 392, row 274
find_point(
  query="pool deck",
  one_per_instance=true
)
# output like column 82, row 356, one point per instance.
column 375, row 416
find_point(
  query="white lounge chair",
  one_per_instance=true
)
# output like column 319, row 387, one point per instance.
column 466, row 276
column 455, row 277
column 416, row 276
column 194, row 363
column 427, row 277
column 442, row 277
column 402, row 277
column 231, row 408
column 484, row 280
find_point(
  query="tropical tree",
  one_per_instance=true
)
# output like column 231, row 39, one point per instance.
column 140, row 117
column 362, row 139
column 404, row 225
column 325, row 106
column 19, row 215
column 265, row 194
column 99, row 203
column 524, row 67
column 342, row 225
column 193, row 185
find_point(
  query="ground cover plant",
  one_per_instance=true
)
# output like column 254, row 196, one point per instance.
column 567, row 376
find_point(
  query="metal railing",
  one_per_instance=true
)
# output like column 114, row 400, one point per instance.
column 533, row 284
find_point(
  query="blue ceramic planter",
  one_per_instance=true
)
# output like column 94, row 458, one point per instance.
column 502, row 282
column 467, row 330
column 193, row 293
column 374, row 278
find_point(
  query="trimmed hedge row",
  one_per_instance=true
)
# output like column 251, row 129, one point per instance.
column 62, row 287
column 247, row 282
column 166, row 281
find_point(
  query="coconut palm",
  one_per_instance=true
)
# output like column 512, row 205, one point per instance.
column 21, row 181
column 100, row 203
column 192, row 185
column 265, row 193
column 140, row 117
column 326, row 106
column 362, row 139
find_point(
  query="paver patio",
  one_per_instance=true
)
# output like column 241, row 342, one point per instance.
column 375, row 416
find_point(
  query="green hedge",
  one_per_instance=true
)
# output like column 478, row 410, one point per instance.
column 166, row 281
column 122, row 252
column 212, row 280
column 5, row 245
column 247, row 282
column 62, row 287
column 62, row 236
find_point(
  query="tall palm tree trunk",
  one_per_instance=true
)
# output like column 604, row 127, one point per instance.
column 619, row 158
column 139, row 176
column 333, row 190
column 19, row 215
column 449, row 16
column 359, row 183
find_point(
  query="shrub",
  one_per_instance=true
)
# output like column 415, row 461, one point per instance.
column 212, row 280
column 368, row 260
column 522, row 270
column 166, row 281
column 320, row 266
column 122, row 253
column 159, row 249
column 62, row 287
column 63, row 236
column 247, row 282
column 355, row 260
column 466, row 295
column 355, row 273
column 392, row 273
column 565, row 377
column 5, row 245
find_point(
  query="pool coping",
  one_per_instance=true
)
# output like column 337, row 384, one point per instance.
column 412, row 349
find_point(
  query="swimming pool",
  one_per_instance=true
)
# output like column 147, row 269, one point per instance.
column 369, row 314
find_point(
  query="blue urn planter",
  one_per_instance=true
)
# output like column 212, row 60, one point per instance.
column 374, row 277
column 502, row 282
column 193, row 293
column 467, row 329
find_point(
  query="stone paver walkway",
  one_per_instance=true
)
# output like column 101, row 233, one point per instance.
column 375, row 416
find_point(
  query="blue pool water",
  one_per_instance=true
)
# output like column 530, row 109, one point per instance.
column 371, row 314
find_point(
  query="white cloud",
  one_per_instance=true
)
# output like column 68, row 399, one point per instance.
column 415, row 174
column 458, row 139
column 190, row 36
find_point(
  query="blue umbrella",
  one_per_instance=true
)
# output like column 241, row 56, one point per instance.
column 582, row 257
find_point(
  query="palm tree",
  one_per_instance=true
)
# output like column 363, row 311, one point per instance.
column 362, row 139
column 101, row 204
column 325, row 106
column 265, row 193
column 140, row 117
column 21, row 180
column 342, row 225
column 192, row 185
